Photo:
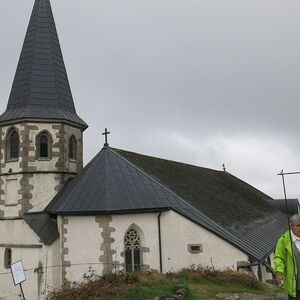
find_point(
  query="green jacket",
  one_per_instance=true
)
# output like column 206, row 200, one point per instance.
column 285, row 263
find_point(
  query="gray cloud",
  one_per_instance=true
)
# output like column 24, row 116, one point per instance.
column 205, row 82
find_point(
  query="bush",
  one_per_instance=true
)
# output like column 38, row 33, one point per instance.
column 228, row 275
column 150, row 284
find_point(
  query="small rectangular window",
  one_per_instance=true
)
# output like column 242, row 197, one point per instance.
column 195, row 248
column 7, row 257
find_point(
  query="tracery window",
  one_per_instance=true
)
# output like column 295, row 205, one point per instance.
column 132, row 250
column 12, row 145
column 72, row 148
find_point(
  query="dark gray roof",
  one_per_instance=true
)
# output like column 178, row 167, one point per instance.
column 292, row 205
column 41, row 88
column 44, row 226
column 117, row 181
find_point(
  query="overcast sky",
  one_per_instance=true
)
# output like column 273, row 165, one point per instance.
column 203, row 82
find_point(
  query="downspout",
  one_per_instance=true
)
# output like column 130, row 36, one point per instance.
column 159, row 243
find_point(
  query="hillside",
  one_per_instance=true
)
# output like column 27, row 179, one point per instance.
column 190, row 284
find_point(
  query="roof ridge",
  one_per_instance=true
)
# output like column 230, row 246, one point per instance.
column 171, row 160
column 52, row 60
column 35, row 42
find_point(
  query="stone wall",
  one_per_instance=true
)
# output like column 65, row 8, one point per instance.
column 30, row 182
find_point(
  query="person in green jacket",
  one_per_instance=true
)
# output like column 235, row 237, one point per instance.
column 287, row 259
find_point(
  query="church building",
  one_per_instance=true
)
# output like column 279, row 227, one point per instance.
column 123, row 211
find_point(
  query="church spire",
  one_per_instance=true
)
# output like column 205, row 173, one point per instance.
column 41, row 88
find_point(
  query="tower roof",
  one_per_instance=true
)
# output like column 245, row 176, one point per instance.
column 41, row 88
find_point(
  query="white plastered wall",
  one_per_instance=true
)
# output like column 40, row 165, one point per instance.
column 11, row 196
column 147, row 226
column 44, row 190
column 25, row 246
column 177, row 232
column 82, row 239
column 83, row 242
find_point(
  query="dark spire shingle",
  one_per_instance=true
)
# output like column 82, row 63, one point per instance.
column 41, row 88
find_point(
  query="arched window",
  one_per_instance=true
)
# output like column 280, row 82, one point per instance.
column 132, row 250
column 44, row 144
column 72, row 148
column 12, row 145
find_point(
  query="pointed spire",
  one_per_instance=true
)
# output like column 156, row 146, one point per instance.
column 41, row 88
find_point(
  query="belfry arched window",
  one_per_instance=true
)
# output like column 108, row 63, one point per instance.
column 44, row 145
column 132, row 250
column 12, row 145
column 72, row 148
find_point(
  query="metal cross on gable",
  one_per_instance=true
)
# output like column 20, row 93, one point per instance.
column 106, row 133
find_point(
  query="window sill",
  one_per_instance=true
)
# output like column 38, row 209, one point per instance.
column 44, row 159
column 73, row 160
column 11, row 204
column 12, row 160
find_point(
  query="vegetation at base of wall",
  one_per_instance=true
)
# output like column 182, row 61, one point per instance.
column 197, row 283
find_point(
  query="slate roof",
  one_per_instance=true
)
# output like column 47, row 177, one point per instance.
column 118, row 181
column 292, row 205
column 43, row 225
column 41, row 88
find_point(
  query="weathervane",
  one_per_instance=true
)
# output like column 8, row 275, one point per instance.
column 106, row 133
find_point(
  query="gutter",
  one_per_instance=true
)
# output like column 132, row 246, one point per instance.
column 159, row 243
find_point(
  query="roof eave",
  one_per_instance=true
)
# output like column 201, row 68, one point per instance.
column 83, row 125
column 107, row 212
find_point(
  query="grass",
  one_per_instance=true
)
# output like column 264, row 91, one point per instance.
column 201, row 284
column 150, row 289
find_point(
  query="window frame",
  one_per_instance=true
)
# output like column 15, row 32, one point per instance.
column 7, row 258
column 132, row 251
column 195, row 248
column 38, row 145
column 72, row 148
column 9, row 144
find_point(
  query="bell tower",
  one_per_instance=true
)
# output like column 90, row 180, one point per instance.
column 40, row 131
